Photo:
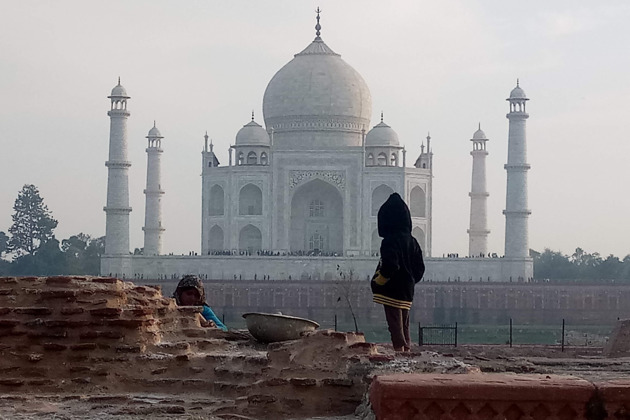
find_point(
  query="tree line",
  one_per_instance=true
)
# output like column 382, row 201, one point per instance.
column 581, row 266
column 30, row 247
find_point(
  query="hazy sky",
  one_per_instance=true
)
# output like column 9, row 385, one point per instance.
column 431, row 66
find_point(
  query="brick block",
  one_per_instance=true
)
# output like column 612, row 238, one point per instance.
column 4, row 311
column 106, row 280
column 303, row 382
column 72, row 311
column 83, row 347
column 4, row 292
column 38, row 311
column 129, row 349
column 274, row 382
column 8, row 280
column 54, row 347
column 339, row 382
column 14, row 383
column 483, row 396
column 129, row 323
column 58, row 280
column 57, row 294
column 47, row 334
column 261, row 399
column 8, row 323
column 106, row 312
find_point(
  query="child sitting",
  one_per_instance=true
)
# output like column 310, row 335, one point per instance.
column 190, row 292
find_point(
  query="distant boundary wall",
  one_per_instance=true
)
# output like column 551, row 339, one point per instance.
column 463, row 302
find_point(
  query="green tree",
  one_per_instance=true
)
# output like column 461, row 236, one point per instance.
column 74, row 251
column 47, row 260
column 92, row 256
column 553, row 265
column 610, row 268
column 32, row 224
column 4, row 243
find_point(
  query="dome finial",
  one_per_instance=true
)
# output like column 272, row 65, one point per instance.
column 517, row 82
column 479, row 125
column 118, row 80
column 153, row 123
column 381, row 116
column 318, row 26
column 252, row 115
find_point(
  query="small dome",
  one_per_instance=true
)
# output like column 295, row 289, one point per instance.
column 517, row 93
column 119, row 91
column 154, row 132
column 252, row 134
column 381, row 135
column 479, row 135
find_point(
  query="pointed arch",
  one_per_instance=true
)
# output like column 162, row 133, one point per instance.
column 370, row 159
column 418, row 202
column 394, row 159
column 379, row 196
column 376, row 241
column 216, row 204
column 418, row 233
column 250, row 239
column 381, row 159
column 263, row 158
column 316, row 218
column 252, row 158
column 250, row 201
column 215, row 239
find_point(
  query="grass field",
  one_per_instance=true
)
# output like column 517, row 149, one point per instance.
column 491, row 334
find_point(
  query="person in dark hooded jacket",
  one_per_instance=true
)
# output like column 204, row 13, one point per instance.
column 399, row 269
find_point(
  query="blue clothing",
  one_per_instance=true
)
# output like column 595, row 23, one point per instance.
column 210, row 316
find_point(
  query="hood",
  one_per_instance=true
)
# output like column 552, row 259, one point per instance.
column 190, row 282
column 393, row 217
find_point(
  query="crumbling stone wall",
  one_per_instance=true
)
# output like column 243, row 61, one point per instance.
column 103, row 336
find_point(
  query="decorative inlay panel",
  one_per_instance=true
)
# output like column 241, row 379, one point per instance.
column 298, row 177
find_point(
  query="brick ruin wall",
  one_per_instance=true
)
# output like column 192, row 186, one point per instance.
column 101, row 336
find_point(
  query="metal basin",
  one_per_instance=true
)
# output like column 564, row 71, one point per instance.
column 269, row 328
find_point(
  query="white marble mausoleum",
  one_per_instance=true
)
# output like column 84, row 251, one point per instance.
column 299, row 194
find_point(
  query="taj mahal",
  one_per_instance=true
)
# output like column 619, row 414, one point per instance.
column 298, row 197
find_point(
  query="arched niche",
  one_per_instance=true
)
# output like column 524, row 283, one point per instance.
column 216, row 203
column 250, row 239
column 394, row 159
column 418, row 202
column 379, row 196
column 316, row 218
column 250, row 201
column 418, row 233
column 263, row 158
column 215, row 239
column 381, row 159
column 252, row 158
column 376, row 241
column 240, row 159
column 370, row 159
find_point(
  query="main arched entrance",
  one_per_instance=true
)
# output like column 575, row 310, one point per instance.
column 316, row 219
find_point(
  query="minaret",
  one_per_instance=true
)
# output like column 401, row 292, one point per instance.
column 153, row 209
column 516, row 211
column 478, row 232
column 117, row 209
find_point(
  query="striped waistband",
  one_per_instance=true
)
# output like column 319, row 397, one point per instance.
column 384, row 300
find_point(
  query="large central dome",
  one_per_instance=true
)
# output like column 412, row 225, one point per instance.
column 318, row 91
